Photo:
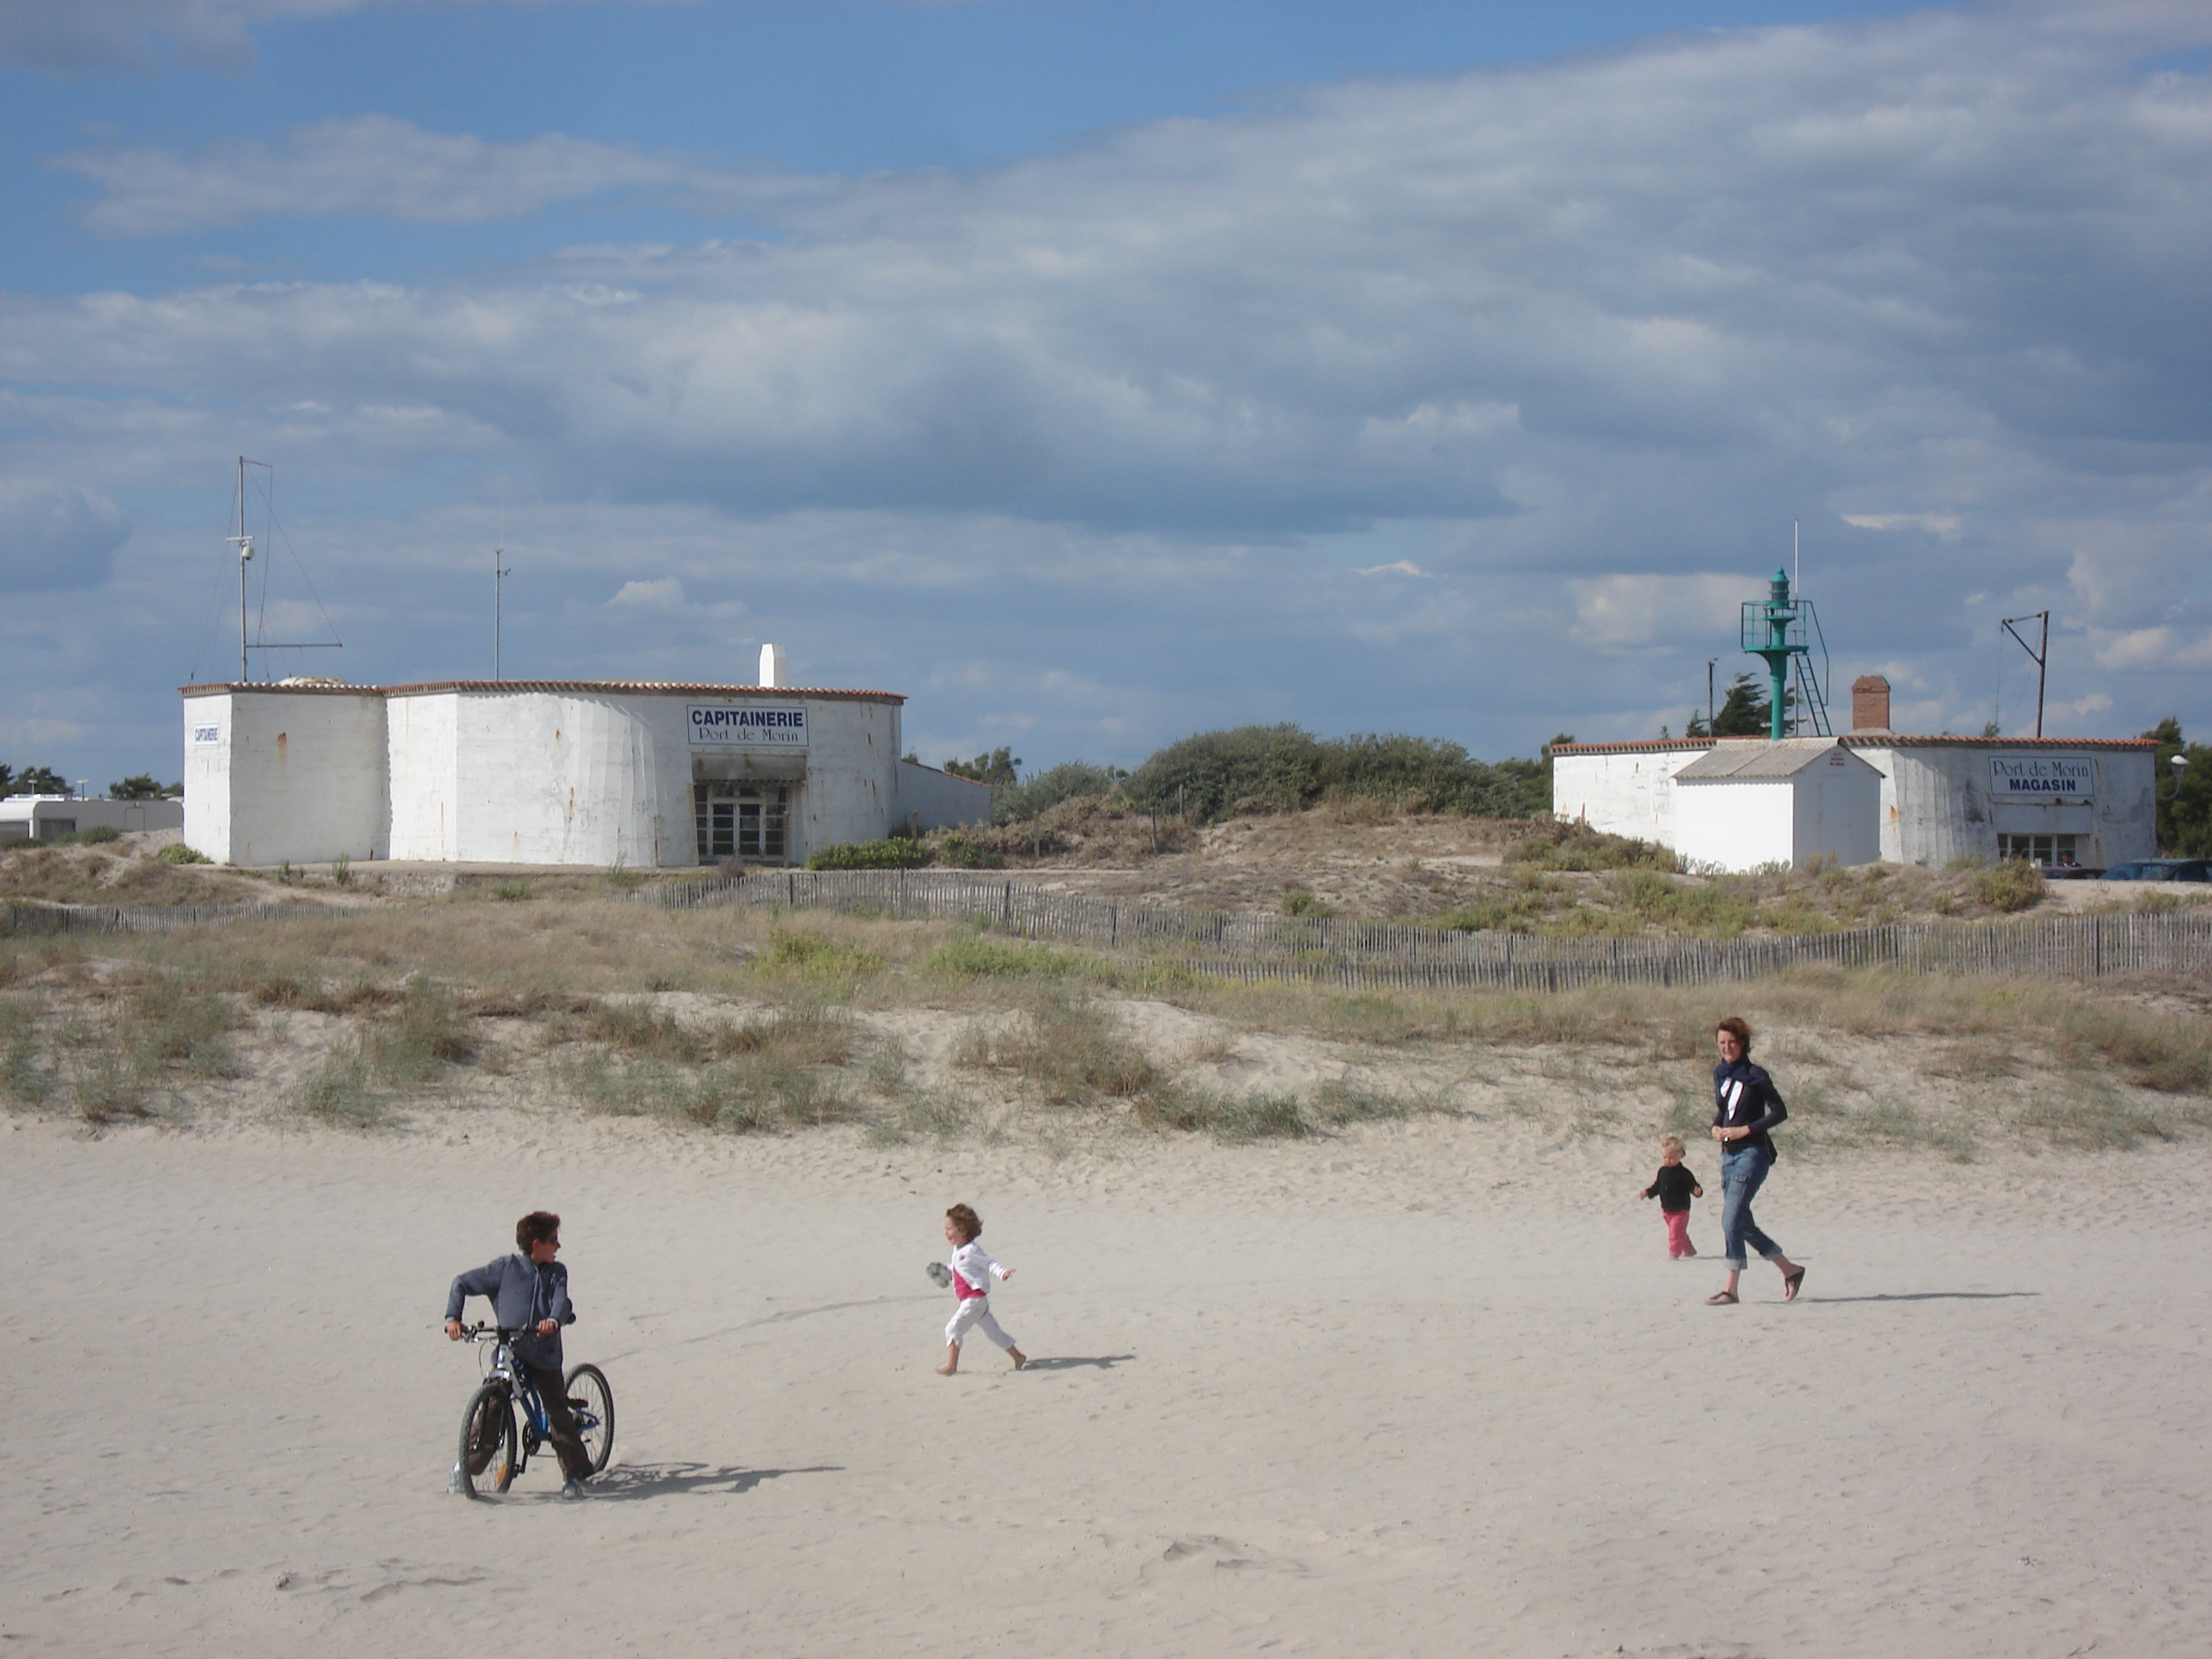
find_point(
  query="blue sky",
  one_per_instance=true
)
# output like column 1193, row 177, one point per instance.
column 1099, row 372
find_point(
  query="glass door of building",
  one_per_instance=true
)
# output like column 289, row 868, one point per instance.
column 743, row 820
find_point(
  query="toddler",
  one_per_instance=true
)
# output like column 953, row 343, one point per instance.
column 973, row 1270
column 1674, row 1188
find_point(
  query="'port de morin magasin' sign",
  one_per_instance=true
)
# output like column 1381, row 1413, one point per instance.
column 748, row 726
column 2042, row 778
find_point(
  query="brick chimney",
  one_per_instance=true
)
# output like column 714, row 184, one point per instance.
column 1870, row 703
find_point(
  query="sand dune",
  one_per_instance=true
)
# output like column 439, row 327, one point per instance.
column 1431, row 1388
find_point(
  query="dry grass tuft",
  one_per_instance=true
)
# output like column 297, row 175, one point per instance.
column 1068, row 1048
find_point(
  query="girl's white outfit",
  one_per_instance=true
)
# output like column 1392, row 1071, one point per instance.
column 973, row 1270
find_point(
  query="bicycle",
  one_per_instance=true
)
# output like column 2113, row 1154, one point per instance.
column 506, row 1421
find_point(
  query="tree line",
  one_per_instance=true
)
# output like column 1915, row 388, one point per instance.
column 1211, row 775
column 45, row 780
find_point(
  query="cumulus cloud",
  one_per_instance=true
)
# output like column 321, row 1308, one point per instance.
column 56, row 538
column 1599, row 329
column 378, row 166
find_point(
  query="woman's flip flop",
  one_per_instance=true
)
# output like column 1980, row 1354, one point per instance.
column 1790, row 1284
column 1721, row 1299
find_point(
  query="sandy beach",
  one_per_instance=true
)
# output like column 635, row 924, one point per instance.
column 1428, row 1387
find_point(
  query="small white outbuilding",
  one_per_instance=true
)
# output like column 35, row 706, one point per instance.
column 1750, row 802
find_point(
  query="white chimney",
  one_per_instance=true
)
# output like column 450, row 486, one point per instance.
column 771, row 668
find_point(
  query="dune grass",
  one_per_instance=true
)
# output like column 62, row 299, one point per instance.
column 756, row 1022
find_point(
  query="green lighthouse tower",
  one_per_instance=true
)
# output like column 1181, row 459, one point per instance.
column 1783, row 632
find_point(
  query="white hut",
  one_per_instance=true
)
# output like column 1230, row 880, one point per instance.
column 1751, row 802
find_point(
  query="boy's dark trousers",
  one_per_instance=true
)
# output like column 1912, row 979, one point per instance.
column 575, row 1462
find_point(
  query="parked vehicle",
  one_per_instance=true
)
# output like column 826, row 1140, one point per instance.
column 2162, row 870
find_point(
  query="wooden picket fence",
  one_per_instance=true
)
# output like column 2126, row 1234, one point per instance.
column 144, row 918
column 1336, row 951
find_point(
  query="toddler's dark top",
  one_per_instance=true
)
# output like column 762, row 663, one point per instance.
column 1672, row 1186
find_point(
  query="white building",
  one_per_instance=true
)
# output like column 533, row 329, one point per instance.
column 1744, row 805
column 2088, row 800
column 49, row 818
column 575, row 772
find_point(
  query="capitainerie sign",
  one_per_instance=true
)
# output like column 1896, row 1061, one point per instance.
column 2039, row 777
column 748, row 726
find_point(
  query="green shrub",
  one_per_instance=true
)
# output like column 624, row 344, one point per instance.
column 1042, row 791
column 2011, row 884
column 814, row 957
column 99, row 836
column 1303, row 902
column 177, row 853
column 965, row 853
column 511, row 891
column 977, row 958
column 893, row 854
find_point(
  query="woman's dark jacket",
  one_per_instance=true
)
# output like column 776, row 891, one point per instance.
column 1744, row 1097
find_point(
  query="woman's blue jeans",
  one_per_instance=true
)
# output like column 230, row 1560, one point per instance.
column 1742, row 1174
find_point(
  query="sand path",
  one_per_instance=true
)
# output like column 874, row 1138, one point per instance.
column 1432, row 1388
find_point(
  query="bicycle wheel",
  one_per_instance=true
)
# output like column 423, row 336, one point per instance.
column 489, row 1442
column 592, row 1403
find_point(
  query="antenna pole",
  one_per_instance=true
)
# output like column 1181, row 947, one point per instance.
column 499, row 573
column 245, row 544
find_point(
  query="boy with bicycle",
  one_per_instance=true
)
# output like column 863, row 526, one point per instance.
column 529, row 1294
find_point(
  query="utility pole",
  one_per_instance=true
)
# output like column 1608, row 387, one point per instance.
column 2039, row 653
column 499, row 573
column 244, row 544
column 1709, row 661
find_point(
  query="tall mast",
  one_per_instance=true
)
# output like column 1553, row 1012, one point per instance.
column 245, row 544
column 499, row 575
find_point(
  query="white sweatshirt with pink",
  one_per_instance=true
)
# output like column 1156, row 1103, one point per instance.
column 973, row 1270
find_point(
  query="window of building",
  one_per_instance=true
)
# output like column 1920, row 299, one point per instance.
column 741, row 820
column 2039, row 849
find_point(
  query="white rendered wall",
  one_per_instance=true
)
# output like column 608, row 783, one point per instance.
column 292, row 775
column 599, row 778
column 851, row 774
column 562, row 777
column 931, row 799
column 1625, row 794
column 1734, row 825
column 421, row 753
column 1837, row 813
column 21, row 814
column 1936, row 805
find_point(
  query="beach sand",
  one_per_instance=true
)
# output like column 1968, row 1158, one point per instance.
column 1430, row 1388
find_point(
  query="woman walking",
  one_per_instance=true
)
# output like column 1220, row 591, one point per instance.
column 1745, row 1105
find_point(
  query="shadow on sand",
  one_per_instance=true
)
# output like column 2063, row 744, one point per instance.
column 1105, row 1362
column 629, row 1483
column 1927, row 1296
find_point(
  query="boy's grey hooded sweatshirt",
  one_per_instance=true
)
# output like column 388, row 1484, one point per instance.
column 521, row 1292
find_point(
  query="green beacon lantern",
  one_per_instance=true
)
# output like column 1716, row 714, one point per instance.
column 1783, row 631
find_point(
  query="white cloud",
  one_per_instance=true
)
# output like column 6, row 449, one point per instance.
column 1401, row 567
column 378, row 166
column 666, row 594
column 1601, row 329
column 1948, row 525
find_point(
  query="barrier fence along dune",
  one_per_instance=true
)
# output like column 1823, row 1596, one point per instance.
column 1338, row 950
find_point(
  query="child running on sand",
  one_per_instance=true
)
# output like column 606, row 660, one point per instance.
column 1674, row 1187
column 973, row 1270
